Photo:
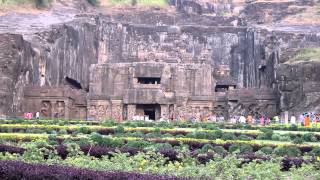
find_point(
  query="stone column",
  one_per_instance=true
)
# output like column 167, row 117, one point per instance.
column 164, row 111
column 131, row 111
column 116, row 110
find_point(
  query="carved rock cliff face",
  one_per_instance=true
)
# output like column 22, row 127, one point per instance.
column 253, row 56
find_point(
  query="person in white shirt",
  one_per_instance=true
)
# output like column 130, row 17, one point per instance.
column 242, row 119
column 37, row 115
column 293, row 120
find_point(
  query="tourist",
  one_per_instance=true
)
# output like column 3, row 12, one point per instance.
column 37, row 115
column 29, row 115
column 249, row 119
column 293, row 120
column 262, row 121
column 307, row 120
column 233, row 120
column 268, row 121
column 242, row 119
column 302, row 119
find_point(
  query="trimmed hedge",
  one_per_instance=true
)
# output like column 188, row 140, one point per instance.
column 11, row 170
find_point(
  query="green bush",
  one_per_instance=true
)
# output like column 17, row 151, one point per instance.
column 138, row 144
column 315, row 151
column 244, row 138
column 297, row 140
column 96, row 137
column 228, row 136
column 234, row 147
column 218, row 133
column 293, row 151
column 212, row 127
column 293, row 127
column 162, row 146
column 84, row 130
column 309, row 137
column 62, row 132
column 246, row 148
column 275, row 137
column 219, row 150
column 284, row 138
column 206, row 148
column 280, row 151
column 120, row 129
column 267, row 133
column 266, row 150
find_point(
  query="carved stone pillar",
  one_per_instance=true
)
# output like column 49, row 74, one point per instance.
column 164, row 111
column 131, row 111
column 117, row 110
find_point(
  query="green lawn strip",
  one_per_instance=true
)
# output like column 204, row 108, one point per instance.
column 21, row 136
column 151, row 129
column 275, row 131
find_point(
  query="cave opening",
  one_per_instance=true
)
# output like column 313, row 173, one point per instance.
column 149, row 80
column 73, row 83
column 224, row 88
column 152, row 111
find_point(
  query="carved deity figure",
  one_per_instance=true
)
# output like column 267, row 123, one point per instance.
column 46, row 109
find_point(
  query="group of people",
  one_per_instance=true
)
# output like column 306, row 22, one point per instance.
column 306, row 119
column 29, row 115
column 263, row 120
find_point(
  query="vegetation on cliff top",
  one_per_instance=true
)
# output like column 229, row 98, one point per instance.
column 306, row 54
column 36, row 3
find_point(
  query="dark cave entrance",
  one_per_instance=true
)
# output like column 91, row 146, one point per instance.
column 73, row 83
column 224, row 88
column 150, row 110
column 149, row 80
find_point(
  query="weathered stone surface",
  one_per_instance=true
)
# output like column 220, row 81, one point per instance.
column 155, row 64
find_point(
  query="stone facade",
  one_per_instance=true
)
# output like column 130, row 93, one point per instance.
column 190, row 65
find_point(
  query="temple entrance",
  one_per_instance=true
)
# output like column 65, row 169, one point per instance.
column 152, row 111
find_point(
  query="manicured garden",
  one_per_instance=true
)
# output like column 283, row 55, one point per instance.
column 62, row 149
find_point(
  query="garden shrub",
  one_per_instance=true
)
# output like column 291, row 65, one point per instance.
column 280, row 151
column 266, row 150
column 162, row 146
column 84, row 130
column 293, row 127
column 206, row 148
column 219, row 150
column 62, row 132
column 275, row 137
column 309, row 137
column 228, row 136
column 218, row 133
column 83, row 141
column 120, row 129
column 212, row 127
column 138, row 144
column 315, row 151
column 267, row 133
column 293, row 151
column 234, row 147
column 244, row 138
column 297, row 140
column 284, row 138
column 96, row 137
column 246, row 148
